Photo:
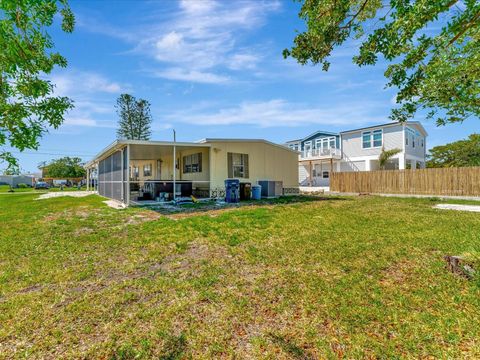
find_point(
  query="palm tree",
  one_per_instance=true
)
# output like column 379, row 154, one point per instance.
column 386, row 155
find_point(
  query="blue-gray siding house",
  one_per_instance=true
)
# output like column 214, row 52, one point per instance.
column 318, row 151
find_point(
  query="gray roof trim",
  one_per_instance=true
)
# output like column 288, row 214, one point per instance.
column 312, row 134
column 210, row 140
column 388, row 125
column 119, row 144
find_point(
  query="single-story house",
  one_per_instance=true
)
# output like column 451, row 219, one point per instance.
column 133, row 171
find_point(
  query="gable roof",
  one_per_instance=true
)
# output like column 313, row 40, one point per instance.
column 118, row 144
column 312, row 135
column 212, row 140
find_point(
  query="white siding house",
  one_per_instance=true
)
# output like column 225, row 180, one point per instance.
column 358, row 150
column 363, row 147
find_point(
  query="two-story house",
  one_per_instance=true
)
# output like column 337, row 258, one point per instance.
column 359, row 150
column 319, row 153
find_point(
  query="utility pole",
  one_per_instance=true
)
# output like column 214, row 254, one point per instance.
column 174, row 165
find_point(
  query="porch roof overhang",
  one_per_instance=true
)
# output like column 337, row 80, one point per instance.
column 120, row 144
column 320, row 158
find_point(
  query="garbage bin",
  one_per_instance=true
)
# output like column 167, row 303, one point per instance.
column 245, row 191
column 256, row 192
column 232, row 190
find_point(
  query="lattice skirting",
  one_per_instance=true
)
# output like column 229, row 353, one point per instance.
column 291, row 191
column 217, row 193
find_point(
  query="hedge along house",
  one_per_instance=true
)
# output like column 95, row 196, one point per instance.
column 136, row 172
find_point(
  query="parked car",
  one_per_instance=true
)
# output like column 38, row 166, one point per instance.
column 42, row 185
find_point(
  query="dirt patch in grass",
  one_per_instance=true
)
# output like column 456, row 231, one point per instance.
column 142, row 217
column 399, row 273
column 192, row 257
column 81, row 212
column 213, row 212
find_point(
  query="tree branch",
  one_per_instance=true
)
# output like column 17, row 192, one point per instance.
column 355, row 15
column 464, row 29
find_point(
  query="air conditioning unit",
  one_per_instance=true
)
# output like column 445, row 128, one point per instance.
column 271, row 189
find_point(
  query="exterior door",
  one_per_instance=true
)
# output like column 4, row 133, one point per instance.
column 307, row 148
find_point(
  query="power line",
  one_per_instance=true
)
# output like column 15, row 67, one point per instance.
column 47, row 153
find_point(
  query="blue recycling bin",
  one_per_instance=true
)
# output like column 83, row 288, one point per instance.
column 256, row 192
column 232, row 190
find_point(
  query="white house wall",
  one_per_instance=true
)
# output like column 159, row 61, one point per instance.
column 352, row 141
column 418, row 151
column 353, row 165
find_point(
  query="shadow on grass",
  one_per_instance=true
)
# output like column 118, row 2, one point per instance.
column 290, row 348
column 203, row 207
column 173, row 349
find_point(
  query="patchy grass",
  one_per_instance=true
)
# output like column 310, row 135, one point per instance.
column 358, row 277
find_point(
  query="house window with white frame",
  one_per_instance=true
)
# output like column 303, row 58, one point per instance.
column 333, row 143
column 147, row 170
column 134, row 171
column 192, row 163
column 238, row 165
column 372, row 139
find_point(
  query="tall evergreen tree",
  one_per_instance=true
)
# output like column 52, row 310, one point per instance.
column 135, row 118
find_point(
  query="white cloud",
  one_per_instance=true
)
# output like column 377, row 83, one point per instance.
column 92, row 95
column 280, row 113
column 191, row 75
column 243, row 61
column 74, row 83
column 79, row 121
column 198, row 7
column 203, row 37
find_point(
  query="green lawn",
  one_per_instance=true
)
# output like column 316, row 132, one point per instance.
column 6, row 188
column 352, row 277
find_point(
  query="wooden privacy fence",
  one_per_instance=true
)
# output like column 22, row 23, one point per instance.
column 438, row 181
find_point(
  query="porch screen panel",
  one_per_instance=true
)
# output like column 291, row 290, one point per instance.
column 110, row 176
column 117, row 176
column 125, row 173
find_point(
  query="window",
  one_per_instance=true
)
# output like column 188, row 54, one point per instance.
column 421, row 142
column 326, row 175
column 135, row 172
column 377, row 138
column 147, row 170
column 332, row 143
column 192, row 163
column 372, row 139
column 237, row 165
column 293, row 146
column 406, row 139
column 366, row 140
column 413, row 141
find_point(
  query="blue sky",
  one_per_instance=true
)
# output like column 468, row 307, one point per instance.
column 209, row 69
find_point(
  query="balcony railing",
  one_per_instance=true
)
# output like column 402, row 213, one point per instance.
column 320, row 153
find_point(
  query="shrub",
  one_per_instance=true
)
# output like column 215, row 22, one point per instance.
column 22, row 186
